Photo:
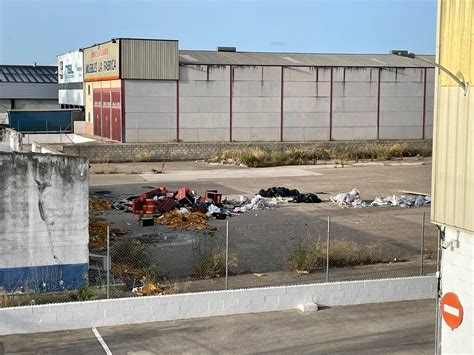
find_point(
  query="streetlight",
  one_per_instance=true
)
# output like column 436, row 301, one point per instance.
column 402, row 53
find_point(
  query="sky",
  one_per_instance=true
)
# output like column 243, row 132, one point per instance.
column 37, row 31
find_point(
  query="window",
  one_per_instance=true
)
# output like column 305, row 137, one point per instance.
column 88, row 89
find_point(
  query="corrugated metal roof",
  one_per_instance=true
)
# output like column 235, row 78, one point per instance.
column 43, row 74
column 196, row 57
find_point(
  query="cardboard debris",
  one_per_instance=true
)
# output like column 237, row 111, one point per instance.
column 188, row 221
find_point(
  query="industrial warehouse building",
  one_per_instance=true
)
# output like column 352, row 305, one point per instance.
column 28, row 87
column 150, row 91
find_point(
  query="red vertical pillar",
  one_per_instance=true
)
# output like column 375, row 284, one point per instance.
column 378, row 102
column 122, row 107
column 424, row 104
column 231, row 70
column 177, row 110
column 330, row 103
column 281, row 103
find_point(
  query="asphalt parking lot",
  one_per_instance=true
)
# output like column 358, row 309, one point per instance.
column 388, row 328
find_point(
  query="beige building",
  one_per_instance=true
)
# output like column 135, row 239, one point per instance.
column 453, row 169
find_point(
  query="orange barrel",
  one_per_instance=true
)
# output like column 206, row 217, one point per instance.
column 149, row 206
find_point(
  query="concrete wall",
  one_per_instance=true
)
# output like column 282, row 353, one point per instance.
column 457, row 269
column 193, row 151
column 10, row 140
column 44, row 221
column 306, row 104
column 254, row 98
column 256, row 104
column 150, row 111
column 208, row 304
column 204, row 103
column 401, row 103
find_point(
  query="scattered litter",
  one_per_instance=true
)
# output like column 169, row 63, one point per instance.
column 258, row 203
column 352, row 199
column 349, row 199
column 187, row 210
column 183, row 210
column 402, row 201
column 258, row 274
column 213, row 209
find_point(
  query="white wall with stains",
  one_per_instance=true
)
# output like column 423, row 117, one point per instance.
column 44, row 221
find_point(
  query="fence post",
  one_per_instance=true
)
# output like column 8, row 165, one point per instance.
column 422, row 242
column 227, row 256
column 327, row 249
column 108, row 262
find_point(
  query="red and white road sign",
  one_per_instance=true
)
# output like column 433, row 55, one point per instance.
column 451, row 309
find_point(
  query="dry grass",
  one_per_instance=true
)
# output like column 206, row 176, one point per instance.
column 309, row 257
column 258, row 157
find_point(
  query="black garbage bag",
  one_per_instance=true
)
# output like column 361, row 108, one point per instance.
column 307, row 198
column 278, row 191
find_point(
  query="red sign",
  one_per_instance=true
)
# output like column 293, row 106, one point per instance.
column 451, row 309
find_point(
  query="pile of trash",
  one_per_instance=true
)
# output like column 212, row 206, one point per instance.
column 353, row 199
column 403, row 201
column 293, row 195
column 185, row 209
column 184, row 219
column 349, row 199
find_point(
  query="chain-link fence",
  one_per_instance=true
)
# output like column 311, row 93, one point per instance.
column 229, row 255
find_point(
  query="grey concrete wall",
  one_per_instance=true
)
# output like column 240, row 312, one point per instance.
column 150, row 111
column 256, row 104
column 306, row 104
column 355, row 104
column 206, row 107
column 51, row 317
column 401, row 103
column 204, row 103
column 193, row 151
column 44, row 221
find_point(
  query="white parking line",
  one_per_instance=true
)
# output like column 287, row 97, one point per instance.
column 101, row 341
